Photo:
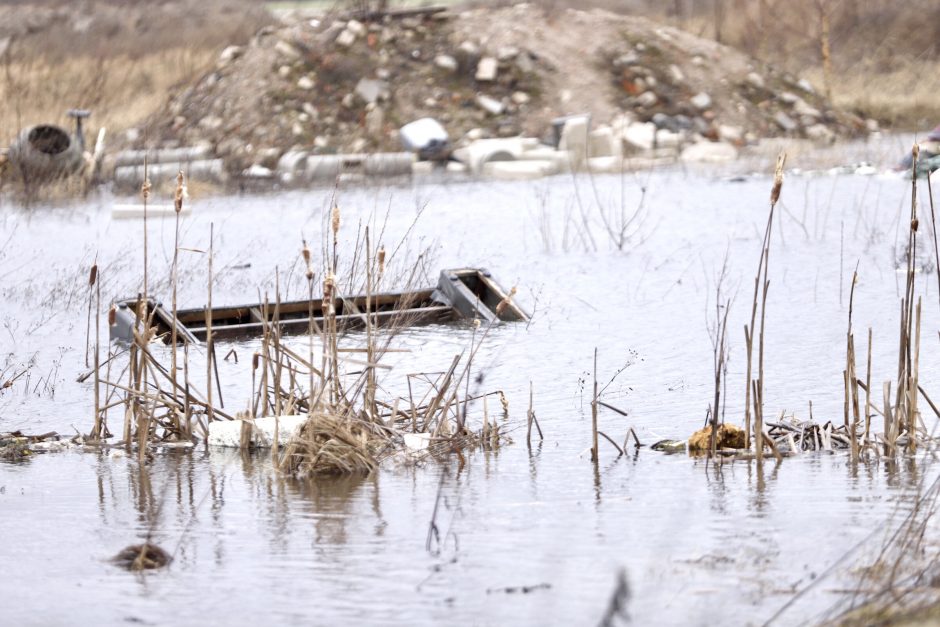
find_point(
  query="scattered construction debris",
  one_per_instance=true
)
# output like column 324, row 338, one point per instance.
column 433, row 80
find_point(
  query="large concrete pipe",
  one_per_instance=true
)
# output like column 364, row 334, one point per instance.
column 131, row 177
column 45, row 152
column 165, row 155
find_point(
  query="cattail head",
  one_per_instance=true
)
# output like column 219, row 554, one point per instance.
column 778, row 178
column 305, row 253
column 915, row 151
column 180, row 192
column 93, row 275
column 145, row 189
column 381, row 257
column 334, row 220
column 914, row 224
column 112, row 315
column 329, row 284
column 255, row 360
column 476, row 323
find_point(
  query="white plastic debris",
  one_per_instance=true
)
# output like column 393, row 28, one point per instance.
column 228, row 433
column 417, row 442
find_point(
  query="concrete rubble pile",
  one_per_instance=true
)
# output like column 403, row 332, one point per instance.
column 316, row 98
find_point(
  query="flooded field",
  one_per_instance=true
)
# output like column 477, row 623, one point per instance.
column 527, row 535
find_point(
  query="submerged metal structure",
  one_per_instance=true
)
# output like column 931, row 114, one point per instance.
column 463, row 293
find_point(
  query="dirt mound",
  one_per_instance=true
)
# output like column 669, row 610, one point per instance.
column 328, row 86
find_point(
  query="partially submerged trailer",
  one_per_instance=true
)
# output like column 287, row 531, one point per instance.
column 463, row 293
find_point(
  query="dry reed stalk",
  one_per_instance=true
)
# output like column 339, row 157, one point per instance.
column 99, row 428
column 187, row 408
column 719, row 355
column 594, row 448
column 276, row 337
column 868, row 405
column 913, row 412
column 749, row 329
column 530, row 415
column 209, row 326
column 370, row 335
column 309, row 274
column 178, row 207
column 851, row 409
column 92, row 276
column 762, row 285
column 889, row 424
column 145, row 194
column 824, row 45
column 933, row 222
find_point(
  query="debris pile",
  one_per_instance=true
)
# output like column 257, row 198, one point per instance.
column 346, row 86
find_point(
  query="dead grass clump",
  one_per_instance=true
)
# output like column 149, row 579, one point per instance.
column 119, row 91
column 329, row 444
column 729, row 437
column 351, row 424
column 899, row 95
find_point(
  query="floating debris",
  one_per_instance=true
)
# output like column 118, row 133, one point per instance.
column 144, row 556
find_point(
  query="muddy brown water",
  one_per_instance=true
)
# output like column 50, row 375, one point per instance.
column 697, row 546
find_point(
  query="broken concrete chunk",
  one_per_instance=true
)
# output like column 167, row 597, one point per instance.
column 676, row 74
column 446, row 62
column 604, row 143
column 507, row 53
column 647, row 99
column 286, row 50
column 785, row 122
column 820, row 133
column 228, row 55
column 626, row 59
column 667, row 139
column 806, row 86
column 346, row 38
column 701, row 101
column 520, row 97
column 524, row 63
column 574, row 137
column 370, row 90
column 487, row 69
column 731, row 134
column 490, row 105
column 426, row 137
column 356, row 28
column 802, row 108
column 710, row 152
column 640, row 135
